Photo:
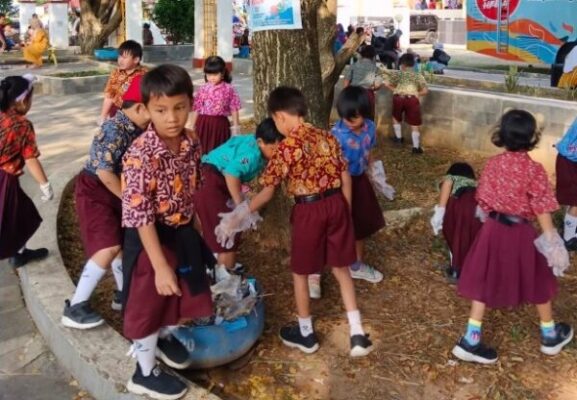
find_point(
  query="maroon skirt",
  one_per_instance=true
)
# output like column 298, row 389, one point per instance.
column 99, row 214
column 212, row 131
column 504, row 269
column 209, row 201
column 367, row 214
column 460, row 226
column 566, row 187
column 19, row 218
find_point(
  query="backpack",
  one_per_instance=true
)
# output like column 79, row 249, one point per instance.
column 567, row 147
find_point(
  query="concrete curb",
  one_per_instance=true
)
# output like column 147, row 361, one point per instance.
column 96, row 358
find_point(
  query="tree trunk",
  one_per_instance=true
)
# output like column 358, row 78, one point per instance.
column 98, row 20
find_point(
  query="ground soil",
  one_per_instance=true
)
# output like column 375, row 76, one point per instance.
column 414, row 316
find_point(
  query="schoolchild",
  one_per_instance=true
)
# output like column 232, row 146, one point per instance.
column 214, row 102
column 566, row 187
column 99, row 207
column 164, row 257
column 19, row 218
column 509, row 264
column 365, row 73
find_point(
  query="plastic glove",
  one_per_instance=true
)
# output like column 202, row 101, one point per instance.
column 47, row 192
column 551, row 245
column 379, row 179
column 479, row 213
column 235, row 130
column 238, row 220
column 437, row 219
column 99, row 121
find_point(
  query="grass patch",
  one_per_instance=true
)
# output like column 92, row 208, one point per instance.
column 81, row 74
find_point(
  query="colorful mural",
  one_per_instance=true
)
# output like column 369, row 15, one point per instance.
column 521, row 30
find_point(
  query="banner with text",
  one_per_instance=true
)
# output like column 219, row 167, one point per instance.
column 274, row 14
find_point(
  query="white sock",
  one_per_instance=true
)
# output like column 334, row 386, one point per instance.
column 306, row 326
column 416, row 136
column 570, row 227
column 354, row 318
column 166, row 331
column 91, row 275
column 397, row 129
column 145, row 352
column 117, row 272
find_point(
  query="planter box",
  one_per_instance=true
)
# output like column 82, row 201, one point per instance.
column 62, row 86
column 167, row 53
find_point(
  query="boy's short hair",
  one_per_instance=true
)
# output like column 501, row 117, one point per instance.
column 287, row 99
column 267, row 132
column 353, row 101
column 516, row 131
column 126, row 104
column 461, row 169
column 360, row 30
column 131, row 47
column 368, row 52
column 166, row 80
column 407, row 59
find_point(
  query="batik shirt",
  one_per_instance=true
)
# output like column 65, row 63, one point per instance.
column 216, row 100
column 406, row 83
column 309, row 159
column 239, row 156
column 356, row 147
column 459, row 182
column 119, row 82
column 110, row 144
column 364, row 73
column 512, row 183
column 17, row 142
column 158, row 185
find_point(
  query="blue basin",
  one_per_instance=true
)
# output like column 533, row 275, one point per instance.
column 106, row 54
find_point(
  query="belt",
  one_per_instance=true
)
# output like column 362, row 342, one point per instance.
column 405, row 96
column 507, row 219
column 311, row 198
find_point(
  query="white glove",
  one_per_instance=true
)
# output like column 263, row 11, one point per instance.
column 553, row 248
column 479, row 213
column 235, row 130
column 437, row 219
column 99, row 121
column 231, row 223
column 379, row 179
column 47, row 192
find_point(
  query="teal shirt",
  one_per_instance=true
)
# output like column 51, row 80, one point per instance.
column 239, row 156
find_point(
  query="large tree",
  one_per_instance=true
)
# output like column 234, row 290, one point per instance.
column 98, row 19
column 302, row 58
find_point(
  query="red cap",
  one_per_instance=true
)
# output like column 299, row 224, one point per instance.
column 133, row 93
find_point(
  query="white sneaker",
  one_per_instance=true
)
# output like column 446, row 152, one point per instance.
column 367, row 273
column 314, row 286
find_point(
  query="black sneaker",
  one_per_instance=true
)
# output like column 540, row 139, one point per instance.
column 21, row 259
column 479, row 353
column 417, row 150
column 158, row 385
column 291, row 336
column 571, row 244
column 361, row 345
column 451, row 274
column 398, row 140
column 553, row 346
column 80, row 316
column 173, row 353
column 116, row 304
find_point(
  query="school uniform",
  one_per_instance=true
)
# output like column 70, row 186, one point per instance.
column 311, row 162
column 239, row 157
column 214, row 104
column 366, row 211
column 503, row 267
column 406, row 104
column 118, row 83
column 158, row 188
column 19, row 218
column 365, row 74
column 99, row 211
column 460, row 225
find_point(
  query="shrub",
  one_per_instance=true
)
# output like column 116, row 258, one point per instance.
column 176, row 18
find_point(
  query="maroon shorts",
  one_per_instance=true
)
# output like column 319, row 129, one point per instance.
column 322, row 235
column 372, row 102
column 209, row 201
column 99, row 214
column 212, row 131
column 566, row 187
column 367, row 214
column 409, row 107
column 146, row 311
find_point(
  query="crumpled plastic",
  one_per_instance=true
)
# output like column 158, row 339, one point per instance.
column 233, row 298
column 231, row 223
column 551, row 245
column 379, row 179
column 437, row 219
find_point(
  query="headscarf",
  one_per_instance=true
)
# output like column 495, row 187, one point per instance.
column 31, row 79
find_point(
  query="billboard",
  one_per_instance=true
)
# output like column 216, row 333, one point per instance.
column 530, row 31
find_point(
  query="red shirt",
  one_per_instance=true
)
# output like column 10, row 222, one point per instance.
column 17, row 142
column 512, row 183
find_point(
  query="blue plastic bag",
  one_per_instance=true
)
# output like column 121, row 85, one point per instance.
column 567, row 147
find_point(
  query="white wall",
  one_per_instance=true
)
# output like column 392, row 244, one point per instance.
column 134, row 20
column 199, row 30
column 26, row 11
column 224, row 24
column 58, row 25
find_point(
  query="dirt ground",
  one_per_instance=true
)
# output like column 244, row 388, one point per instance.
column 414, row 317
